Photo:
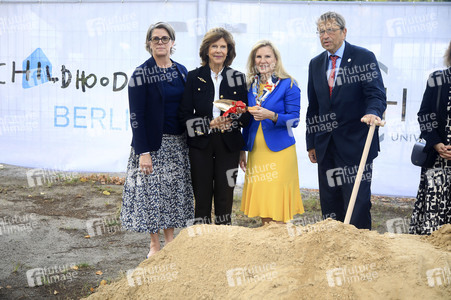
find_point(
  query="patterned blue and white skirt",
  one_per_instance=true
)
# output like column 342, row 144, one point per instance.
column 163, row 199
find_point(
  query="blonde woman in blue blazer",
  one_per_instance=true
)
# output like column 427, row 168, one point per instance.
column 271, row 186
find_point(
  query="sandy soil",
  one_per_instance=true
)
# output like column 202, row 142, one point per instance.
column 68, row 230
column 327, row 260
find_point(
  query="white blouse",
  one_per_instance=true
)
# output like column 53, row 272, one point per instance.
column 217, row 83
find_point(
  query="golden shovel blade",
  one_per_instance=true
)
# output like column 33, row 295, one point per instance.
column 224, row 104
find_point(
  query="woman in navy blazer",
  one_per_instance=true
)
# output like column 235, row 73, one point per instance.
column 271, row 186
column 215, row 141
column 157, row 191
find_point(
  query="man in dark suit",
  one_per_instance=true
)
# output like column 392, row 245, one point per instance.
column 345, row 93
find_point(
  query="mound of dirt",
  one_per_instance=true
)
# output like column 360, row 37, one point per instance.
column 442, row 237
column 327, row 260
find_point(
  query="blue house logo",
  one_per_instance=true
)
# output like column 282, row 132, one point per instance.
column 40, row 69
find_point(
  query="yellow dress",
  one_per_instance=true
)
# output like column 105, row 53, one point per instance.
column 271, row 184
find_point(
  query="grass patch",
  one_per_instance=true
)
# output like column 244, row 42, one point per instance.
column 84, row 265
column 17, row 266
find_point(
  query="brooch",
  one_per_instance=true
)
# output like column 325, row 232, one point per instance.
column 201, row 79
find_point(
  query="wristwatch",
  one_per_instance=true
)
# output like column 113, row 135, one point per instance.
column 274, row 118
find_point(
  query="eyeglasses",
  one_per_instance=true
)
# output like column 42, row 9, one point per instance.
column 328, row 30
column 164, row 39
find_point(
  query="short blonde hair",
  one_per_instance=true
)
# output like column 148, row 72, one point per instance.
column 279, row 70
column 160, row 25
column 212, row 36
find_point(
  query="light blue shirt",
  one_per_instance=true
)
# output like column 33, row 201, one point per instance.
column 339, row 53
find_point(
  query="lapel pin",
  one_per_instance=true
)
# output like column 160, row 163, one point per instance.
column 349, row 60
column 201, row 79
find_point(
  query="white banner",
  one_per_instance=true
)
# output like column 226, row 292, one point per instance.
column 71, row 111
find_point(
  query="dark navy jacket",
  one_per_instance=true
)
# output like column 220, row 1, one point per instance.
column 358, row 90
column 146, row 100
column 433, row 122
column 196, row 109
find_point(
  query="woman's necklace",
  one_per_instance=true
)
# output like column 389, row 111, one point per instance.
column 164, row 68
column 216, row 73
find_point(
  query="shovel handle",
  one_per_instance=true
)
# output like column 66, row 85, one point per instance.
column 358, row 178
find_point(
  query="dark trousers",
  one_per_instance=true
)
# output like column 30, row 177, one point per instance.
column 213, row 173
column 336, row 180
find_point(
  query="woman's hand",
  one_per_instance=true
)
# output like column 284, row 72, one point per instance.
column 240, row 110
column 261, row 113
column 443, row 150
column 243, row 163
column 221, row 123
column 145, row 164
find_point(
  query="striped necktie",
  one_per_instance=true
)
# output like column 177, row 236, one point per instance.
column 332, row 73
